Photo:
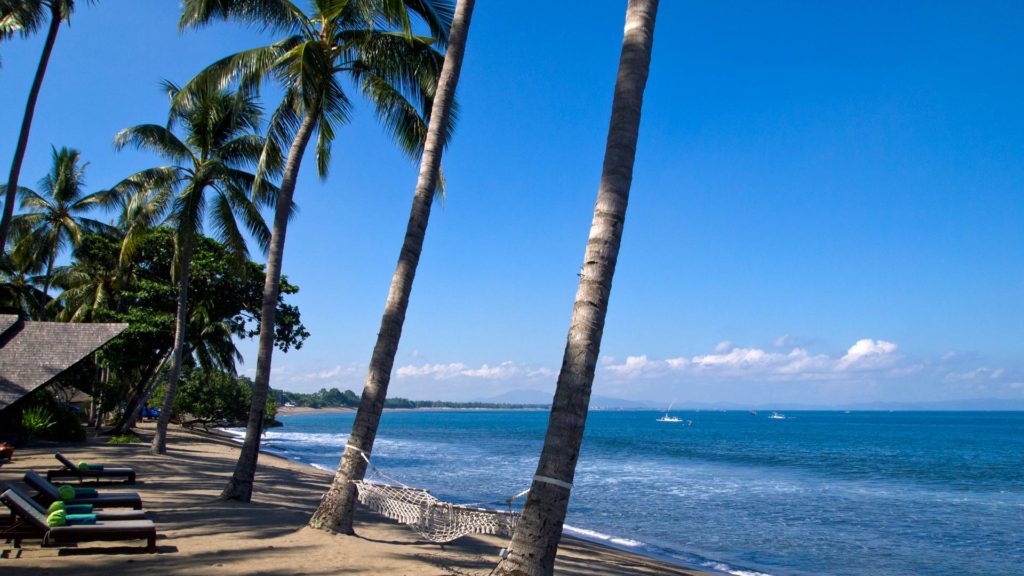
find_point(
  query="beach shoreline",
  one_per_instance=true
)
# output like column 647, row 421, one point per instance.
column 201, row 534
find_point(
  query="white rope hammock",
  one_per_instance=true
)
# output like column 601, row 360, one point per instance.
column 435, row 520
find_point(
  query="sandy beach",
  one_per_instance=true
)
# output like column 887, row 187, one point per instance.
column 199, row 534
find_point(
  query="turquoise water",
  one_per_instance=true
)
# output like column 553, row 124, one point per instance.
column 817, row 493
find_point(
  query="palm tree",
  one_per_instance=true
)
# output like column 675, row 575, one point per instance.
column 535, row 542
column 219, row 142
column 24, row 17
column 337, row 509
column 18, row 293
column 53, row 220
column 370, row 42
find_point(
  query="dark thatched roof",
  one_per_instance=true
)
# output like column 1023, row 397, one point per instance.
column 34, row 353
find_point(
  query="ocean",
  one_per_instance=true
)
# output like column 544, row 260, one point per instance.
column 858, row 493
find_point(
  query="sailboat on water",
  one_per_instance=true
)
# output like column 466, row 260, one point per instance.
column 667, row 418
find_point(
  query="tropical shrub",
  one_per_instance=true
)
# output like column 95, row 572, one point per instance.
column 44, row 417
column 35, row 421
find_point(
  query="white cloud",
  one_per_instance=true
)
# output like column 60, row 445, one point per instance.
column 868, row 354
column 727, row 360
column 976, row 374
column 503, row 371
column 783, row 341
column 436, row 371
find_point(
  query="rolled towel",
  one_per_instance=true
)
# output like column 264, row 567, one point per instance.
column 57, row 518
column 83, row 466
column 56, row 505
column 66, row 492
column 78, row 508
column 76, row 519
column 85, row 493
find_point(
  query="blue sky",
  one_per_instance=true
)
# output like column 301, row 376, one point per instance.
column 827, row 205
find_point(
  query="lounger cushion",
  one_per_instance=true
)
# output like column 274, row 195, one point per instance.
column 112, row 500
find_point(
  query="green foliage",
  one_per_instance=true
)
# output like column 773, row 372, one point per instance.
column 42, row 416
column 224, row 301
column 335, row 398
column 36, row 420
column 212, row 397
column 125, row 439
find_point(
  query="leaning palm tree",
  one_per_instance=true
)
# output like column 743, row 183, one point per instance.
column 370, row 42
column 24, row 17
column 219, row 144
column 535, row 542
column 53, row 219
column 337, row 509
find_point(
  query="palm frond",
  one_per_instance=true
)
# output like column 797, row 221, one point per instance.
column 156, row 139
column 276, row 15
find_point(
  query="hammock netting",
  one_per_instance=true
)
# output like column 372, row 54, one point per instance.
column 434, row 519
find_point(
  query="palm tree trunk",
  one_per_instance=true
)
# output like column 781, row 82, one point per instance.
column 26, row 127
column 337, row 509
column 240, row 485
column 46, row 285
column 535, row 542
column 143, row 389
column 159, row 445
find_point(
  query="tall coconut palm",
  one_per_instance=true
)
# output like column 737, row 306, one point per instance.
column 24, row 17
column 337, row 509
column 535, row 542
column 370, row 42
column 220, row 142
column 54, row 219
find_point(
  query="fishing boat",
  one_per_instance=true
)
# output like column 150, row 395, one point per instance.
column 667, row 418
column 776, row 416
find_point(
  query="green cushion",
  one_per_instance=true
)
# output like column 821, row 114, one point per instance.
column 85, row 492
column 66, row 492
column 74, row 519
column 58, row 518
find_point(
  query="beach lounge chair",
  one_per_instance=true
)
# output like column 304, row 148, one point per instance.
column 48, row 493
column 30, row 523
column 104, row 474
column 100, row 514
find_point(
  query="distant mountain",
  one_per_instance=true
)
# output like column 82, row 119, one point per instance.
column 520, row 396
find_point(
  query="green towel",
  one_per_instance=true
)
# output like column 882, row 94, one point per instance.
column 78, row 508
column 85, row 493
column 56, row 505
column 58, row 518
column 76, row 519
column 83, row 466
column 66, row 492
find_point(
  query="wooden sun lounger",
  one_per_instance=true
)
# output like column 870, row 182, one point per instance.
column 70, row 470
column 30, row 523
column 47, row 493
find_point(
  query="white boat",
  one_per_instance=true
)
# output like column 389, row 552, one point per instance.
column 667, row 418
column 776, row 416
